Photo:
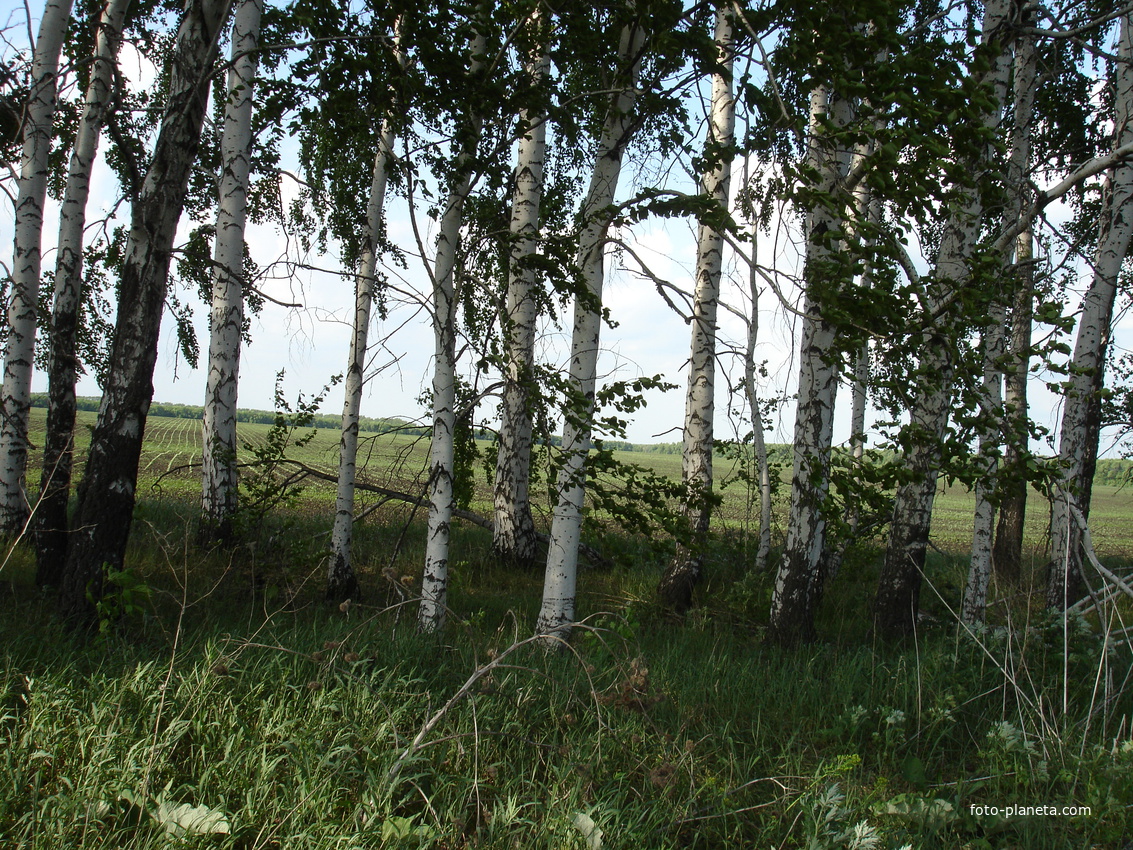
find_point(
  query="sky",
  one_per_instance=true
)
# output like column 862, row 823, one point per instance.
column 311, row 343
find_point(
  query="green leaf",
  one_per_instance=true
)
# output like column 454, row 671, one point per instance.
column 924, row 812
column 181, row 819
column 398, row 827
column 913, row 771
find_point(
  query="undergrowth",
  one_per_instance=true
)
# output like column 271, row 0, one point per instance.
column 239, row 711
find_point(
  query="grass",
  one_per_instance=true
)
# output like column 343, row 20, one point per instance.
column 230, row 707
column 284, row 725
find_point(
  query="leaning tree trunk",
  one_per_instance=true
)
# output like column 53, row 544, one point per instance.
column 513, row 530
column 898, row 593
column 341, row 579
column 218, row 466
column 106, row 495
column 62, row 370
column 683, row 573
column 23, row 302
column 342, row 582
column 442, row 497
column 795, row 594
column 762, row 466
column 1081, row 414
column 557, row 610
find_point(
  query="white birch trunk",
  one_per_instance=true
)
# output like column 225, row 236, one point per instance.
column 218, row 476
column 557, row 611
column 434, row 584
column 58, row 447
column 1081, row 414
column 683, row 573
column 1007, row 556
column 858, row 397
column 898, row 593
column 974, row 602
column 796, row 583
column 513, row 531
column 19, row 350
column 342, row 581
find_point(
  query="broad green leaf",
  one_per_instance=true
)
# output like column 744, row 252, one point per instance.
column 181, row 819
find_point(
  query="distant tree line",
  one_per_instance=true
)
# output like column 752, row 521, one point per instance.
column 256, row 417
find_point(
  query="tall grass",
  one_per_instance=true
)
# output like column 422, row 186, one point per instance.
column 224, row 713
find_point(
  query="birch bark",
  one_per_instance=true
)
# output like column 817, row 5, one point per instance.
column 796, row 589
column 898, row 594
column 1007, row 554
column 683, row 573
column 342, row 581
column 974, row 601
column 513, row 531
column 19, row 348
column 442, row 499
column 219, row 486
column 1081, row 414
column 58, row 447
column 560, row 581
column 106, row 495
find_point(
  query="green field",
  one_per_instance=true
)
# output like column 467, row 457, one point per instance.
column 172, row 452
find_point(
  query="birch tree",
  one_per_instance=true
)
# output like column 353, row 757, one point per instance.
column 897, row 600
column 513, row 529
column 442, row 499
column 751, row 392
column 226, row 320
column 683, row 573
column 994, row 338
column 979, row 573
column 341, row 579
column 23, row 301
column 795, row 592
column 557, row 610
column 58, row 447
column 106, row 495
column 1007, row 553
column 1081, row 415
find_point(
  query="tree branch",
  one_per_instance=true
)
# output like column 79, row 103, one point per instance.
column 596, row 558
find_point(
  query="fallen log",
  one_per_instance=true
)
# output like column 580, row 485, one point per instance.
column 596, row 558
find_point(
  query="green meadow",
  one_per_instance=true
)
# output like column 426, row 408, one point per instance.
column 224, row 704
